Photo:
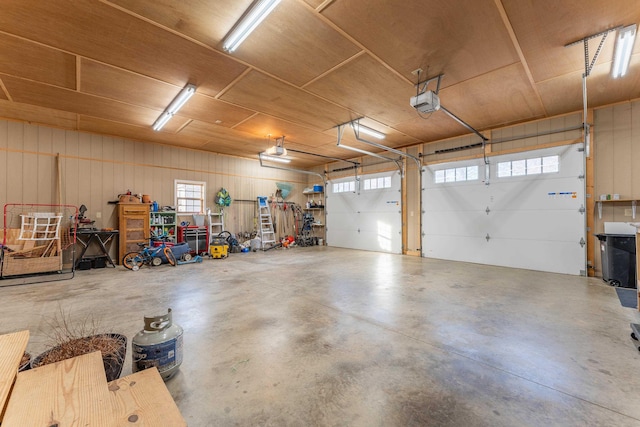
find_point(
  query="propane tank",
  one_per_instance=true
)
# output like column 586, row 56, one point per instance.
column 159, row 344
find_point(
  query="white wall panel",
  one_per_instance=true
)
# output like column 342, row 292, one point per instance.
column 532, row 222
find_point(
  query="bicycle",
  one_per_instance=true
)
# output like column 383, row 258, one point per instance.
column 148, row 255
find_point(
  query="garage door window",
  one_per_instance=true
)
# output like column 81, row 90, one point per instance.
column 532, row 166
column 469, row 173
column 377, row 183
column 344, row 187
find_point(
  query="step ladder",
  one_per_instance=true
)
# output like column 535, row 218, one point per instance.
column 267, row 234
column 215, row 223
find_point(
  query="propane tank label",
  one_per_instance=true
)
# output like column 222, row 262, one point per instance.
column 164, row 355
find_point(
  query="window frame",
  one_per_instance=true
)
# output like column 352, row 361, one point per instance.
column 202, row 199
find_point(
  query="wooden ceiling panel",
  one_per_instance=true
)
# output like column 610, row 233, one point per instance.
column 267, row 125
column 22, row 58
column 265, row 94
column 431, row 127
column 98, row 31
column 219, row 134
column 543, row 29
column 294, row 44
column 121, row 85
column 564, row 94
column 35, row 114
column 203, row 20
column 462, row 39
column 67, row 100
column 366, row 86
column 136, row 133
column 487, row 101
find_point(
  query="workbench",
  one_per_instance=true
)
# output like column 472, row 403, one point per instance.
column 101, row 239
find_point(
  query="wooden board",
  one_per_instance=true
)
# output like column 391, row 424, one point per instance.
column 12, row 347
column 142, row 399
column 71, row 392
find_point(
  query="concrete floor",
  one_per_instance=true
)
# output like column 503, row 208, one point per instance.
column 332, row 337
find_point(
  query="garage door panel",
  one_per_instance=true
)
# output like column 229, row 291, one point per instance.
column 544, row 225
column 561, row 257
column 552, row 194
column 458, row 223
column 366, row 219
column 533, row 221
column 343, row 239
column 455, row 248
column 457, row 197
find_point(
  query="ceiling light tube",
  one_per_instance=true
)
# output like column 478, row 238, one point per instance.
column 162, row 120
column 274, row 158
column 249, row 23
column 177, row 103
column 369, row 153
column 182, row 98
column 624, row 48
column 371, row 132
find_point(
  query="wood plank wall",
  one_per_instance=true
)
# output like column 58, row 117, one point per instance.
column 96, row 168
column 617, row 154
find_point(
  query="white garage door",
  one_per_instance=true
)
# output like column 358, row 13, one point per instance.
column 531, row 215
column 365, row 214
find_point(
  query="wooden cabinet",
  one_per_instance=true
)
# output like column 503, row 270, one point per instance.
column 133, row 220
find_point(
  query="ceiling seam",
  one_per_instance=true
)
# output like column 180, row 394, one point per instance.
column 356, row 42
column 514, row 39
column 5, row 91
column 332, row 69
column 78, row 72
column 232, row 83
column 245, row 119
column 323, row 5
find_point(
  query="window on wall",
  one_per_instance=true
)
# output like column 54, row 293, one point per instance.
column 532, row 166
column 377, row 183
column 190, row 196
column 344, row 187
column 468, row 173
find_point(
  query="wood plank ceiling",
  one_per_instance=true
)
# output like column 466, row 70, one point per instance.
column 112, row 67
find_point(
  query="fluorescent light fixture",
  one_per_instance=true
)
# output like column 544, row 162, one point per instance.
column 371, row 132
column 249, row 23
column 177, row 103
column 624, row 48
column 274, row 158
column 368, row 153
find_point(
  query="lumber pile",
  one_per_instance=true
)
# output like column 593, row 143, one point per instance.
column 75, row 392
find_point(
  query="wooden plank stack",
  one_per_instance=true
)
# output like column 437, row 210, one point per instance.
column 75, row 392
column 12, row 347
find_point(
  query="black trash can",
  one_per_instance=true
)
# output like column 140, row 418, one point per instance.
column 618, row 256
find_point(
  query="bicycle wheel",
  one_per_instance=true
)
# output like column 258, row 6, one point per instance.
column 132, row 261
column 170, row 256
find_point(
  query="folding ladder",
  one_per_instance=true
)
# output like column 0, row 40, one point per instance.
column 267, row 234
column 217, row 227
